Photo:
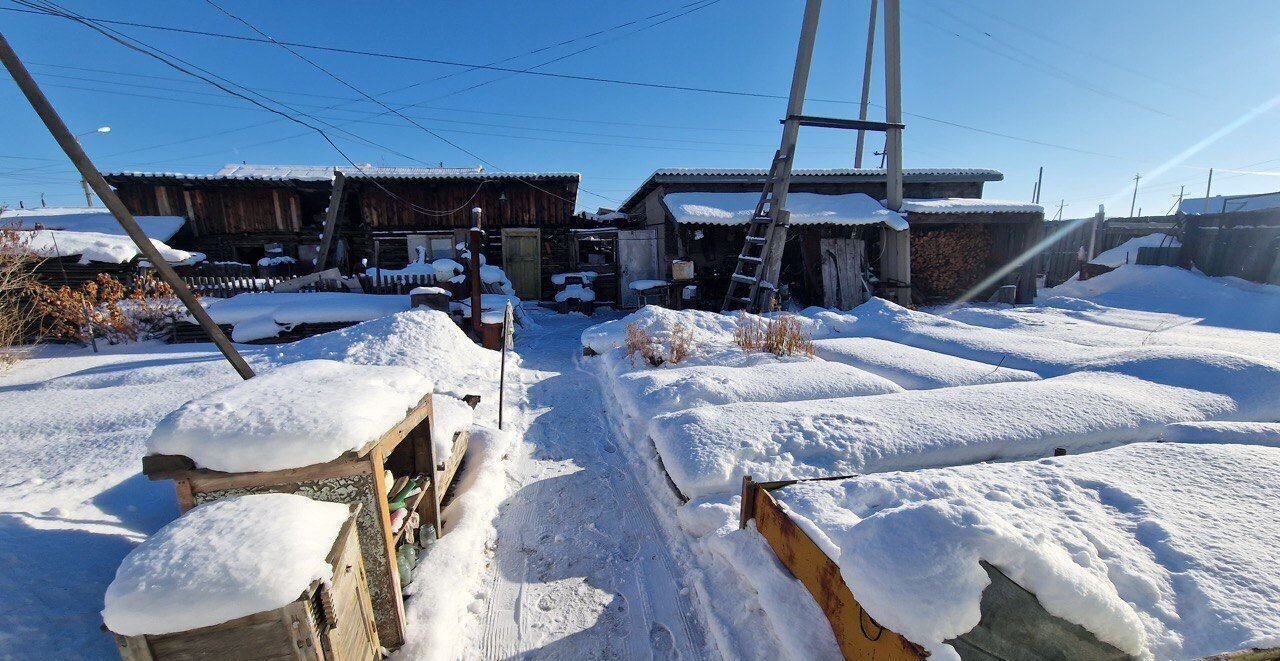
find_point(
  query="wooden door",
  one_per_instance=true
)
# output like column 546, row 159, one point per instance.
column 842, row 273
column 637, row 260
column 522, row 260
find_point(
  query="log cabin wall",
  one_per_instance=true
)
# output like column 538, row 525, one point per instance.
column 549, row 204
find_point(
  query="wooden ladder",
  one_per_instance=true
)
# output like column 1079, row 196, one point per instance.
column 753, row 277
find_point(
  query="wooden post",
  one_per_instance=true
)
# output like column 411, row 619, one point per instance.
column 502, row 370
column 866, row 82
column 473, row 244
column 331, row 219
column 72, row 148
column 893, row 107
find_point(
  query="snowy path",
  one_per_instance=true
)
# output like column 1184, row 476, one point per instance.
column 582, row 569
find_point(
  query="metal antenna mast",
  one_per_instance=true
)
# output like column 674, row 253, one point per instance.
column 754, row 283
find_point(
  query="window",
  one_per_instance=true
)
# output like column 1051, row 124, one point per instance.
column 596, row 251
column 434, row 246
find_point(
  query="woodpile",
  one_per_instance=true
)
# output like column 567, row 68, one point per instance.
column 946, row 261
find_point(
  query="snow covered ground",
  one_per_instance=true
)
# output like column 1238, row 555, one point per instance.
column 1139, row 354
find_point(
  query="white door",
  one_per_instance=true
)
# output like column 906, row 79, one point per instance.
column 637, row 260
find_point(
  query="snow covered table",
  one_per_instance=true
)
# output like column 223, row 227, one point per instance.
column 269, row 576
column 330, row 431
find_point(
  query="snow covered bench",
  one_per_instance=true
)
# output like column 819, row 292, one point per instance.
column 256, row 577
column 332, row 431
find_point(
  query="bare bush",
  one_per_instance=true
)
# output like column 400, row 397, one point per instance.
column 105, row 308
column 681, row 343
column 17, row 280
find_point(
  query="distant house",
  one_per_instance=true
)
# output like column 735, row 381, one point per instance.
column 836, row 244
column 1230, row 203
column 78, row 243
column 248, row 213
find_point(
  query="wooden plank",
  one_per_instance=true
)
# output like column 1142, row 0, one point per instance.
column 186, row 497
column 275, row 201
column 331, row 219
column 134, row 648
column 858, row 636
column 376, row 461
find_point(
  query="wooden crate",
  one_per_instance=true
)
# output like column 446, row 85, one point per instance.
column 356, row 477
column 858, row 636
column 333, row 622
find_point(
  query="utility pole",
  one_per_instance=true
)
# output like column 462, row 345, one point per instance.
column 475, row 237
column 1062, row 204
column 1207, row 190
column 866, row 82
column 1134, row 202
column 88, row 196
column 893, row 103
column 1035, row 194
column 94, row 179
column 1098, row 218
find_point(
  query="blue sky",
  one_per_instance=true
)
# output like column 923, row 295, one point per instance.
column 1093, row 91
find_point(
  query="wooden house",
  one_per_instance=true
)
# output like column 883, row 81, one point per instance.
column 842, row 238
column 243, row 213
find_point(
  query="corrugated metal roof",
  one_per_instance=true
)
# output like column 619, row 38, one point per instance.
column 753, row 175
column 323, row 173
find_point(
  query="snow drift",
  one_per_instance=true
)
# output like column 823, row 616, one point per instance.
column 1163, row 562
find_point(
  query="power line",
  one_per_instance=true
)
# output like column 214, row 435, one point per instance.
column 584, row 78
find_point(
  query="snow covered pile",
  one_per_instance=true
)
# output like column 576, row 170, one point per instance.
column 708, row 449
column 1127, row 252
column 968, row 205
column 649, row 392
column 259, row 316
column 576, row 293
column 296, row 415
column 426, row 341
column 1179, row 558
column 706, row 327
column 223, row 560
column 913, row 368
column 104, row 248
column 1222, row 302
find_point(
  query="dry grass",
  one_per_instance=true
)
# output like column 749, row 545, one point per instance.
column 106, row 308
column 650, row 347
column 17, row 281
column 781, row 335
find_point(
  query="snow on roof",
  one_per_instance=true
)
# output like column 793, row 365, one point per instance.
column 262, row 315
column 983, row 173
column 104, row 248
column 1226, row 203
column 1141, row 545
column 805, row 208
column 324, row 173
column 301, row 414
column 1127, row 252
column 86, row 219
column 221, row 561
column 968, row 205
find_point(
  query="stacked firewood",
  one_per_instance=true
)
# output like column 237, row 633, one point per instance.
column 946, row 261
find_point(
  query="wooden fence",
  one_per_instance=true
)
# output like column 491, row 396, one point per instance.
column 227, row 286
column 1060, row 260
column 212, row 286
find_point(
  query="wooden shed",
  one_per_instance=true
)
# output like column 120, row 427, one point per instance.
column 821, row 257
column 360, row 477
column 327, row 622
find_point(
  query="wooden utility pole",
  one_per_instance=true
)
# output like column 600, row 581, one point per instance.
column 1035, row 194
column 88, row 196
column 94, row 179
column 1098, row 218
column 331, row 219
column 1132, row 203
column 1207, row 190
column 1061, row 205
column 893, row 103
column 866, row 82
column 473, row 245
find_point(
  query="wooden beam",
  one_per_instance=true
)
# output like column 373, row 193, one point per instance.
column 331, row 219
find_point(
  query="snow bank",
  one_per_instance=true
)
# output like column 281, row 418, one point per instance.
column 576, row 293
column 846, row 209
column 1180, row 559
column 464, row 554
column 83, row 219
column 708, row 449
column 1246, row 433
column 259, row 316
column 104, row 248
column 223, row 560
column 968, row 205
column 913, row 368
column 296, row 415
column 707, row 327
column 649, row 392
column 1225, row 302
column 1127, row 252
column 449, row 415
